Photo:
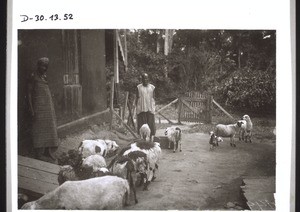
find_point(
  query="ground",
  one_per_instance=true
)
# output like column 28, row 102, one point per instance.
column 200, row 179
column 196, row 178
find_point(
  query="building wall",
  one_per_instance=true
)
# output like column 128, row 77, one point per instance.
column 93, row 76
column 34, row 44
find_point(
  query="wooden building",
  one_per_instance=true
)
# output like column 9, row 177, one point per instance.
column 77, row 73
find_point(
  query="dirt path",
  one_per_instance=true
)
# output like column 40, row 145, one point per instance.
column 199, row 179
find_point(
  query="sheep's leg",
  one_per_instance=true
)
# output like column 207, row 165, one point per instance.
column 233, row 142
column 132, row 185
column 146, row 185
column 175, row 146
column 126, row 199
column 142, row 179
column 169, row 145
column 154, row 177
column 250, row 135
column 180, row 146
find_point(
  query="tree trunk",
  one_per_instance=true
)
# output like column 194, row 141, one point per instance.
column 239, row 58
column 158, row 47
column 166, row 51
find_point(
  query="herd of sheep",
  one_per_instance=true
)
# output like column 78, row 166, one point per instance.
column 87, row 182
column 242, row 127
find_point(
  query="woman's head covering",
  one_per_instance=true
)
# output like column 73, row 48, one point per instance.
column 43, row 61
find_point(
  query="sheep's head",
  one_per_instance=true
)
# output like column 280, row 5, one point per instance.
column 219, row 139
column 112, row 146
column 141, row 165
column 169, row 131
column 246, row 118
column 240, row 123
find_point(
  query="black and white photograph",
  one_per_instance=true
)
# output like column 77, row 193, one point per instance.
column 147, row 114
column 148, row 117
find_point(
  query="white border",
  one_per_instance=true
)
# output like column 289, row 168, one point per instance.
column 188, row 14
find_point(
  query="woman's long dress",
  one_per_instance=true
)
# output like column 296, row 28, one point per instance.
column 44, row 128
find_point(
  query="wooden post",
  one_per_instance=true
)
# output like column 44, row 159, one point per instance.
column 209, row 109
column 116, row 66
column 179, row 111
column 125, row 104
column 219, row 106
column 111, row 101
column 121, row 113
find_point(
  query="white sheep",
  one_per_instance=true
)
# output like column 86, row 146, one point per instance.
column 248, row 129
column 174, row 136
column 95, row 161
column 81, row 169
column 153, row 152
column 145, row 132
column 100, row 193
column 229, row 130
column 242, row 130
column 99, row 146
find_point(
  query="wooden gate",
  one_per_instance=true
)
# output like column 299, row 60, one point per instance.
column 195, row 107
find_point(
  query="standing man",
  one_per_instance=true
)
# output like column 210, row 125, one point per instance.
column 145, row 107
column 44, row 128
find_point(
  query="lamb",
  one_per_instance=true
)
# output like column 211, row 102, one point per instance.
column 174, row 136
column 248, row 128
column 242, row 130
column 228, row 131
column 101, row 147
column 214, row 140
column 100, row 193
column 145, row 132
column 129, row 166
column 153, row 152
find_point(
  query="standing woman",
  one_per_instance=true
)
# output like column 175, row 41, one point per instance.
column 145, row 107
column 44, row 128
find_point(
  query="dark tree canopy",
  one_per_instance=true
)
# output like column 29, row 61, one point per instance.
column 238, row 67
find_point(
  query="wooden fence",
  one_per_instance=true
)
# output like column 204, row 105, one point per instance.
column 195, row 107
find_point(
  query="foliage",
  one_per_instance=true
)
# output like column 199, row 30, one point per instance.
column 236, row 66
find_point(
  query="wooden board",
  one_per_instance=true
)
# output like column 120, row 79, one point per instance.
column 35, row 185
column 37, row 176
column 38, row 164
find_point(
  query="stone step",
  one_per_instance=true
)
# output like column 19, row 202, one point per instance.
column 259, row 192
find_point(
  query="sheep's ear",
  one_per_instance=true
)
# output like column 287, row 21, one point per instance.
column 122, row 166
